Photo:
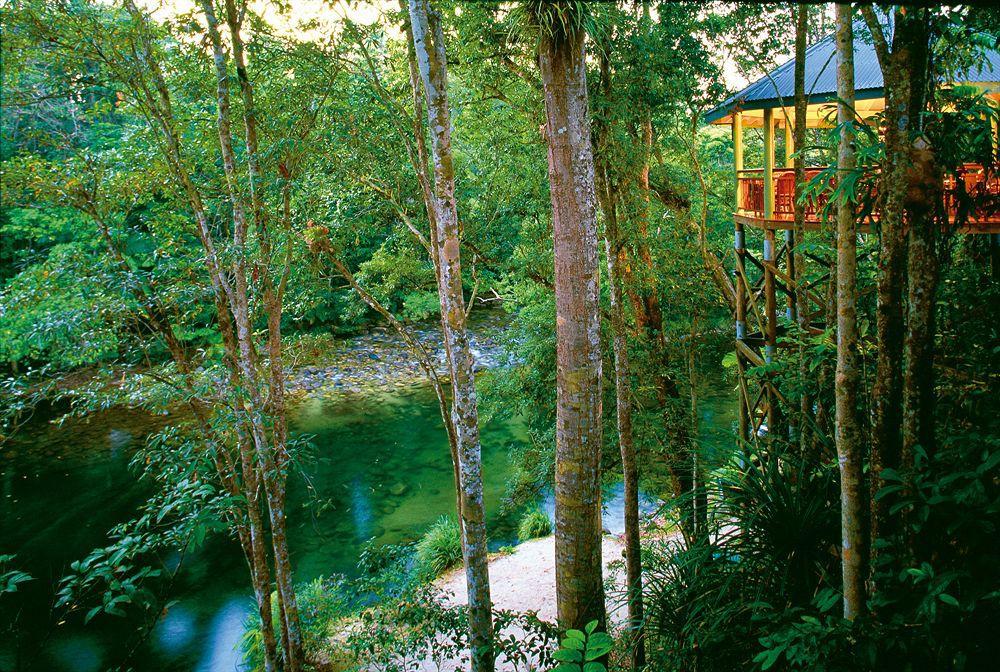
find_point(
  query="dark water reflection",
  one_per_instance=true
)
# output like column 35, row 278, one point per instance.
column 379, row 471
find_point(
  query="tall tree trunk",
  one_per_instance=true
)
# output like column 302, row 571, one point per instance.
column 616, row 260
column 903, row 388
column 419, row 161
column 799, row 230
column 626, row 443
column 250, row 531
column 886, row 438
column 428, row 44
column 270, row 453
column 926, row 219
column 563, row 68
column 848, row 378
column 272, row 304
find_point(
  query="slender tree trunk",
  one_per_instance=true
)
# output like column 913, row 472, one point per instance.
column 626, row 443
column 428, row 43
column 616, row 261
column 848, row 379
column 250, row 532
column 230, row 298
column 426, row 363
column 579, row 584
column 419, row 162
column 272, row 304
column 799, row 213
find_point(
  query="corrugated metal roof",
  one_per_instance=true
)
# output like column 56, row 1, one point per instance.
column 777, row 88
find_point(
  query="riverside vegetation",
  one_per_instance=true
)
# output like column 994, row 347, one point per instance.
column 229, row 218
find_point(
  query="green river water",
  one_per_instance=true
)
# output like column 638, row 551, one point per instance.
column 380, row 471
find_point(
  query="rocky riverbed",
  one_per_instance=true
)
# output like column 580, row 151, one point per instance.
column 381, row 359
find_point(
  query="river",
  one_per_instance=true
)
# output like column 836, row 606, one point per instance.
column 379, row 472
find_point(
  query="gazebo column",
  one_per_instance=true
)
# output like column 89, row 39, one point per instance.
column 768, row 164
column 738, row 156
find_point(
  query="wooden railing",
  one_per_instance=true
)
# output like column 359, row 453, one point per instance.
column 975, row 195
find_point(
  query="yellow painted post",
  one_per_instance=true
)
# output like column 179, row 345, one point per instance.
column 769, row 164
column 789, row 145
column 738, row 155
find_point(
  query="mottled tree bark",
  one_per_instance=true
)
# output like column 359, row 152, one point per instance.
column 270, row 451
column 926, row 219
column 848, row 377
column 579, row 585
column 886, row 442
column 903, row 388
column 617, row 259
column 419, row 161
column 274, row 481
column 428, row 44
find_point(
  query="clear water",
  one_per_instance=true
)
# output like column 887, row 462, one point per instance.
column 380, row 471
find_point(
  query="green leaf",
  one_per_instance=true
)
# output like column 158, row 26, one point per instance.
column 769, row 657
column 599, row 644
column 568, row 656
column 594, row 667
column 948, row 599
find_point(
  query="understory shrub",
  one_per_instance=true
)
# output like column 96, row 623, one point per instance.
column 534, row 523
column 440, row 548
column 416, row 628
column 322, row 603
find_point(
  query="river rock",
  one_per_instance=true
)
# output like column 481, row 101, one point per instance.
column 398, row 489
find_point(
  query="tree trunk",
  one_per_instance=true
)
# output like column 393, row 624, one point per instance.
column 616, row 261
column 886, row 441
column 428, row 43
column 579, row 585
column 925, row 219
column 270, row 454
column 626, row 443
column 848, row 379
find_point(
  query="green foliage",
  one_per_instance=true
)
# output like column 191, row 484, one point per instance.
column 582, row 651
column 534, row 523
column 10, row 579
column 710, row 597
column 322, row 603
column 440, row 548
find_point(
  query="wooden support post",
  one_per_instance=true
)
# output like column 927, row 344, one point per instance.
column 995, row 135
column 738, row 156
column 768, row 164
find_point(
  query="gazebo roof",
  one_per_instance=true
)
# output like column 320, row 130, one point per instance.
column 777, row 88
